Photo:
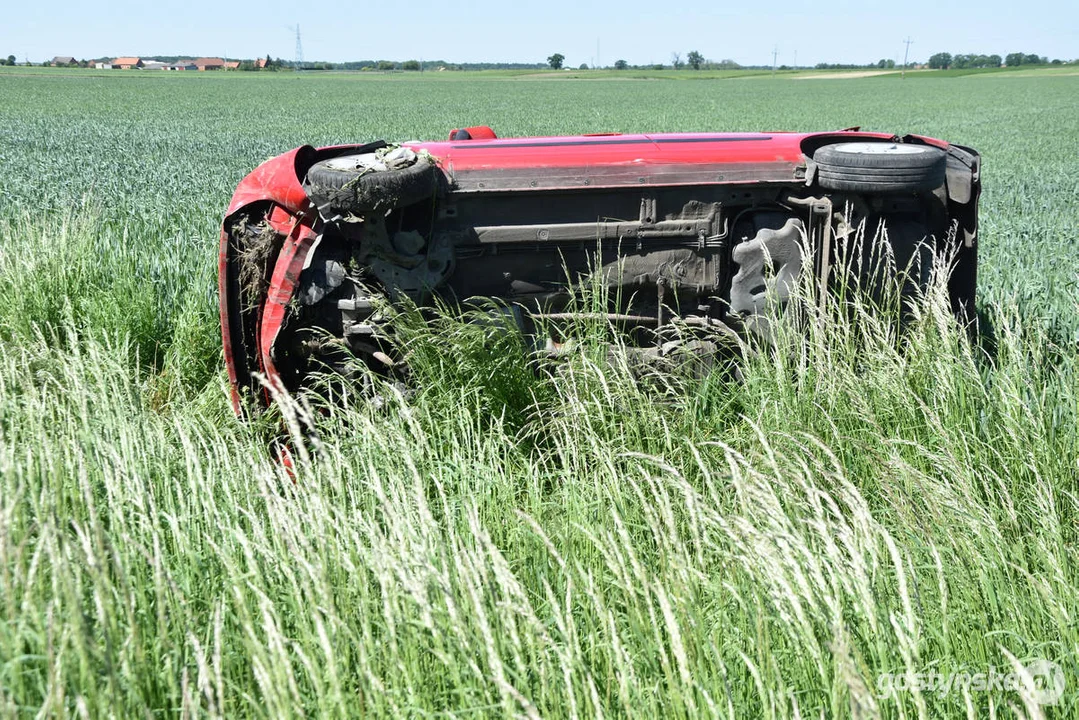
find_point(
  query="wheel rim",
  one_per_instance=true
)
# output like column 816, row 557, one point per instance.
column 347, row 163
column 871, row 148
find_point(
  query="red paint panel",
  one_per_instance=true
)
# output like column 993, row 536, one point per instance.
column 282, row 222
column 942, row 144
column 616, row 150
column 283, row 283
column 274, row 180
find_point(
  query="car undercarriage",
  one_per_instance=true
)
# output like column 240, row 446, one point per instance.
column 696, row 230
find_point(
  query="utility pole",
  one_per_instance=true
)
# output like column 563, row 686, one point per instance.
column 795, row 59
column 903, row 72
column 299, row 49
column 775, row 54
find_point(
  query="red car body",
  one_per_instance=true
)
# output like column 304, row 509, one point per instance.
column 487, row 165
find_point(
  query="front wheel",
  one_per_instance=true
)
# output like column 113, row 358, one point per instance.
column 880, row 167
column 371, row 183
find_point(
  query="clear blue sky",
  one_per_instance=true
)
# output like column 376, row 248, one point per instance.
column 639, row 31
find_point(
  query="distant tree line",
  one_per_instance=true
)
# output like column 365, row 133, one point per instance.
column 882, row 64
column 424, row 65
column 694, row 60
column 945, row 61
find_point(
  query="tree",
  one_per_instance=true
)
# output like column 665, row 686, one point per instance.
column 1013, row 59
column 11, row 60
column 886, row 64
column 555, row 61
column 386, row 65
column 993, row 61
column 412, row 65
column 676, row 61
column 584, row 66
column 940, row 61
column 620, row 64
column 694, row 59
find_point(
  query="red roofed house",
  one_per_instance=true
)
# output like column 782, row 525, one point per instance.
column 261, row 62
column 210, row 64
column 232, row 65
column 127, row 63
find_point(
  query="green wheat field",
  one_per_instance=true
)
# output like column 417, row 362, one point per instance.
column 779, row 543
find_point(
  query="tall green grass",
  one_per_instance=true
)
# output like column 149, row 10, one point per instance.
column 570, row 541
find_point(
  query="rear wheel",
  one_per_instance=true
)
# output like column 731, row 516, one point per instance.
column 880, row 167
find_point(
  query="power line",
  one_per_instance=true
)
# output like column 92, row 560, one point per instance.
column 775, row 54
column 299, row 49
column 903, row 72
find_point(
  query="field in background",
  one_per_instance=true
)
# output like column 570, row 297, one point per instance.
column 501, row 542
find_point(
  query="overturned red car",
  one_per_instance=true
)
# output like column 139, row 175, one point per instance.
column 701, row 227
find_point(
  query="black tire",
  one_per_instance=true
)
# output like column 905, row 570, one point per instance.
column 879, row 167
column 337, row 186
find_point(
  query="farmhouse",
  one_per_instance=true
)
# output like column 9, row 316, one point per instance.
column 208, row 63
column 182, row 65
column 232, row 65
column 154, row 65
column 261, row 62
column 62, row 60
column 127, row 63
